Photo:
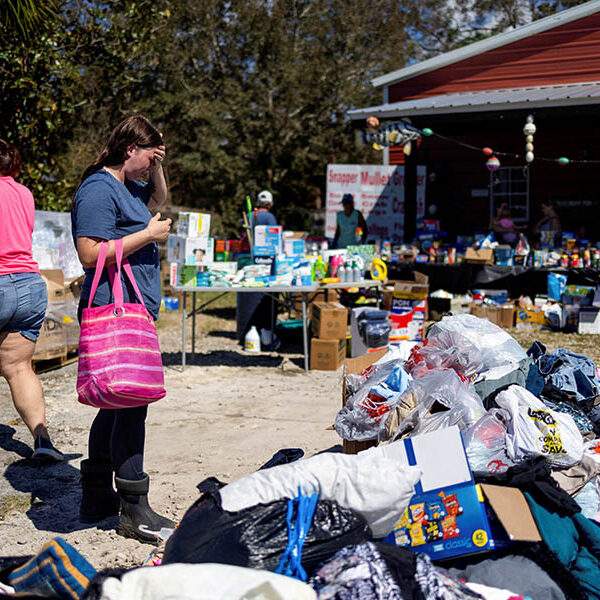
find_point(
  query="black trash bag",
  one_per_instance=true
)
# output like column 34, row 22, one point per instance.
column 285, row 456
column 257, row 536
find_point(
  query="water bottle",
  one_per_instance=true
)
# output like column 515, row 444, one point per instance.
column 356, row 274
column 341, row 273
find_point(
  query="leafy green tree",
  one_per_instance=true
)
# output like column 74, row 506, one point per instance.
column 28, row 17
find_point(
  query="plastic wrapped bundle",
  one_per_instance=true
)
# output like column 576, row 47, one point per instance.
column 496, row 346
column 442, row 400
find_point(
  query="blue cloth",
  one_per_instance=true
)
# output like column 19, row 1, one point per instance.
column 575, row 541
column 105, row 208
column 23, row 301
column 57, row 571
column 263, row 217
column 347, row 226
column 567, row 375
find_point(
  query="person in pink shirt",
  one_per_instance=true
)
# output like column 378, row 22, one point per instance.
column 23, row 301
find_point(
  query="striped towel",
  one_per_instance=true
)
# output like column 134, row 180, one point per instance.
column 57, row 571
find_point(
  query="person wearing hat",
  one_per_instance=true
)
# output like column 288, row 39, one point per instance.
column 261, row 214
column 261, row 307
column 348, row 221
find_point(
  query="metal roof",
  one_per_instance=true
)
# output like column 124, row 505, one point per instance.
column 488, row 100
column 501, row 39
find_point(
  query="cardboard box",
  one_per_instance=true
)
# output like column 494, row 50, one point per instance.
column 327, row 355
column 329, row 320
column 532, row 316
column 483, row 256
column 193, row 224
column 52, row 341
column 55, row 284
column 503, row 316
column 589, row 320
column 450, row 515
column 268, row 240
column 198, row 251
column 407, row 303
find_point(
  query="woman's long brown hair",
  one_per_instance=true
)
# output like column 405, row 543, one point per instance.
column 135, row 129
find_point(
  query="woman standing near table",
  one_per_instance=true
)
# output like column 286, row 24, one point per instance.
column 113, row 202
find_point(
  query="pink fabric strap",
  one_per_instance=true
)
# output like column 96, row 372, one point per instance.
column 116, row 279
column 98, row 272
column 114, row 274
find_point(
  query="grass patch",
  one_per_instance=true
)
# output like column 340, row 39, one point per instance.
column 19, row 503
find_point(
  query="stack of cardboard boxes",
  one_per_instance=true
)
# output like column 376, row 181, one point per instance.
column 191, row 249
column 329, row 326
column 60, row 331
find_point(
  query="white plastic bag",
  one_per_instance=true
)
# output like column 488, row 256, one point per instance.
column 496, row 346
column 533, row 429
column 376, row 372
column 443, row 400
column 364, row 415
column 377, row 488
column 445, row 350
column 485, row 444
column 200, row 582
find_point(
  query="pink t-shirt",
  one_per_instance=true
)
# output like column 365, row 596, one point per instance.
column 17, row 212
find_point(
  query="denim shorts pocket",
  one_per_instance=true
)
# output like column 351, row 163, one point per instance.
column 39, row 298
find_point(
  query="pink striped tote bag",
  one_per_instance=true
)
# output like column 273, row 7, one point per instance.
column 120, row 365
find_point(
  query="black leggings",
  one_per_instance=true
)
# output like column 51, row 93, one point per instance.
column 118, row 436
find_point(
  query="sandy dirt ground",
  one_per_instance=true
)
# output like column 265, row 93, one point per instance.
column 226, row 415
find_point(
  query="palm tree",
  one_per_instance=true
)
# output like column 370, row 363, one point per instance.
column 27, row 17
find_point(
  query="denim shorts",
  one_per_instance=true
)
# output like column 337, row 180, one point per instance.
column 23, row 302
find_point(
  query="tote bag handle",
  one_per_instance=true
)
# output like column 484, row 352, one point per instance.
column 114, row 275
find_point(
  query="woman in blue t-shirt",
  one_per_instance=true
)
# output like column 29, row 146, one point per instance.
column 113, row 201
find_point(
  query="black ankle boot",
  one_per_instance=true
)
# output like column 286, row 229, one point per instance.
column 137, row 519
column 98, row 497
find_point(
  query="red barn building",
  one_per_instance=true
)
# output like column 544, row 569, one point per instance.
column 481, row 95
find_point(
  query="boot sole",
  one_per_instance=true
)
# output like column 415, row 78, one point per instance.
column 128, row 532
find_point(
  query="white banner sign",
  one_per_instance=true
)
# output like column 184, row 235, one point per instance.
column 378, row 193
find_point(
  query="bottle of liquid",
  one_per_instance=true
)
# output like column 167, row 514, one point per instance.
column 342, row 273
column 356, row 273
column 252, row 340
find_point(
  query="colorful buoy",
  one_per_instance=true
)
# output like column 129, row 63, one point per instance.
column 487, row 151
column 492, row 163
column 377, row 146
column 427, row 131
column 563, row 160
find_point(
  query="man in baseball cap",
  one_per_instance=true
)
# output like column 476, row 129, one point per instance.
column 262, row 306
column 265, row 199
